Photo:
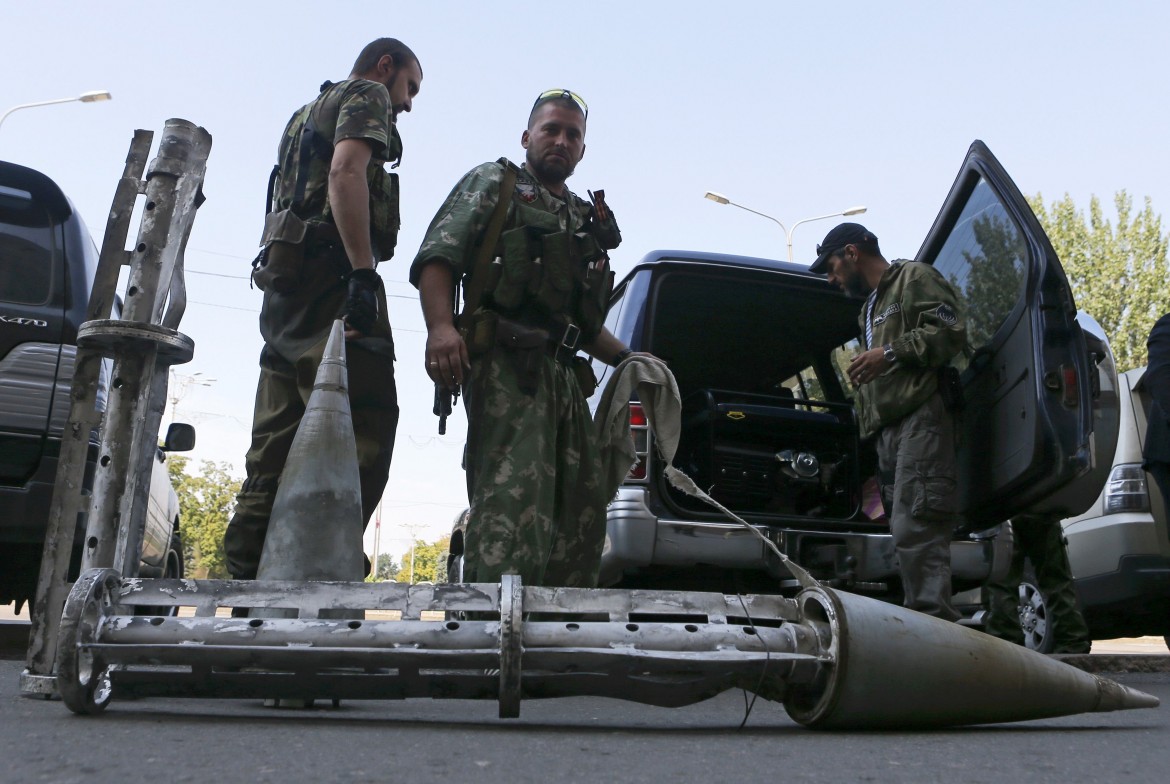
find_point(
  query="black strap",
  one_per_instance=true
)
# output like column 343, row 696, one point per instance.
column 272, row 178
column 310, row 138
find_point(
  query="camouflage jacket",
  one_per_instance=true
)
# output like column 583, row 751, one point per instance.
column 552, row 264
column 916, row 311
column 352, row 109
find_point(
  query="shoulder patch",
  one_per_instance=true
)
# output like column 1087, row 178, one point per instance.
column 946, row 314
column 526, row 191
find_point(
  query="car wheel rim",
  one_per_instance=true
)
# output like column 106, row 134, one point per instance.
column 1033, row 616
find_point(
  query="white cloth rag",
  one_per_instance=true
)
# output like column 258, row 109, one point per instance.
column 651, row 382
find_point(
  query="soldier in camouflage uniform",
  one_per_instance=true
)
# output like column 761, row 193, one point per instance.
column 533, row 468
column 911, row 328
column 1040, row 539
column 333, row 216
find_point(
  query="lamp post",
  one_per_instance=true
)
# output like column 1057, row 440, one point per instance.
column 719, row 198
column 181, row 384
column 92, row 96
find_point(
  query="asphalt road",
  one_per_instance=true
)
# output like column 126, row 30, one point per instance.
column 563, row 740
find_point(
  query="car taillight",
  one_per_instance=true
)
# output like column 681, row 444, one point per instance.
column 1126, row 489
column 1071, row 395
column 641, row 435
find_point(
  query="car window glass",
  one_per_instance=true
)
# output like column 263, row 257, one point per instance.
column 805, row 385
column 26, row 248
column 984, row 257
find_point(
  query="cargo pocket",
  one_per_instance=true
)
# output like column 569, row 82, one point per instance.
column 280, row 265
column 935, row 498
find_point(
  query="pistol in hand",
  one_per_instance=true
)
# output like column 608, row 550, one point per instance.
column 444, row 401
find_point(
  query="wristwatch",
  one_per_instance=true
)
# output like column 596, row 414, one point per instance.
column 620, row 357
column 888, row 353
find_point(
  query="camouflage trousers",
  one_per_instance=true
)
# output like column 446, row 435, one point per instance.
column 281, row 396
column 916, row 463
column 533, row 476
column 1040, row 540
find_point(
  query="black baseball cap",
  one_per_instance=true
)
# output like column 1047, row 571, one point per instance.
column 838, row 237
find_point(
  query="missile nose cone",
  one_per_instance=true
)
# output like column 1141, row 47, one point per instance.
column 315, row 528
column 1115, row 696
column 895, row 668
column 331, row 373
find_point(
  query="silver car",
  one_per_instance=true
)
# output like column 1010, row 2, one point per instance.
column 1119, row 548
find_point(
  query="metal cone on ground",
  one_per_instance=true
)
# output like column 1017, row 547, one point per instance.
column 896, row 668
column 315, row 530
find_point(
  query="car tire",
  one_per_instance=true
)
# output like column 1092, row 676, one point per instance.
column 174, row 567
column 172, row 570
column 1033, row 610
column 455, row 568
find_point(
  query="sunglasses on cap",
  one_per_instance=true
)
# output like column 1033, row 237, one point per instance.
column 549, row 95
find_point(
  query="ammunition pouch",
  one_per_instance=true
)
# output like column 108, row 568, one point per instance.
column 595, row 299
column 548, row 271
column 280, row 264
column 583, row 371
column 384, row 212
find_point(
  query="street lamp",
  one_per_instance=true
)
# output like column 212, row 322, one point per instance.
column 90, row 97
column 180, row 384
column 719, row 198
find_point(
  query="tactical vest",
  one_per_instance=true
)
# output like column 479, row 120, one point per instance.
column 546, row 275
column 308, row 166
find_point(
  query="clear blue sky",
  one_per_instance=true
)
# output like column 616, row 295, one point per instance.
column 792, row 109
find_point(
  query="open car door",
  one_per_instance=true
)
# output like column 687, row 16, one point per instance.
column 1030, row 379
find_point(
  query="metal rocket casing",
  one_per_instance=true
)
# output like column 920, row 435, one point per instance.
column 896, row 668
column 315, row 529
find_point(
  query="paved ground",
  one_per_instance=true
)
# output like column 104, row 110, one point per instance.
column 581, row 739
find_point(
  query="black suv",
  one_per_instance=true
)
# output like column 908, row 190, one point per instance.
column 47, row 265
column 759, row 349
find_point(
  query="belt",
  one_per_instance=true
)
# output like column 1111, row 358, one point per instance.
column 561, row 343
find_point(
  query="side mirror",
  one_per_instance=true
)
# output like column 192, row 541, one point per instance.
column 180, row 438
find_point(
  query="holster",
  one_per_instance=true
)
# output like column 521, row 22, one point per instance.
column 478, row 331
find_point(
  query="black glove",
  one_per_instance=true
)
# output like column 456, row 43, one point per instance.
column 361, row 301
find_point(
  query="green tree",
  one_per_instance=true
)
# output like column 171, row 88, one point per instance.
column 387, row 569
column 1118, row 272
column 994, row 277
column 205, row 505
column 430, row 562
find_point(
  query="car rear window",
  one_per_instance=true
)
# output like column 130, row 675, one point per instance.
column 751, row 332
column 28, row 245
